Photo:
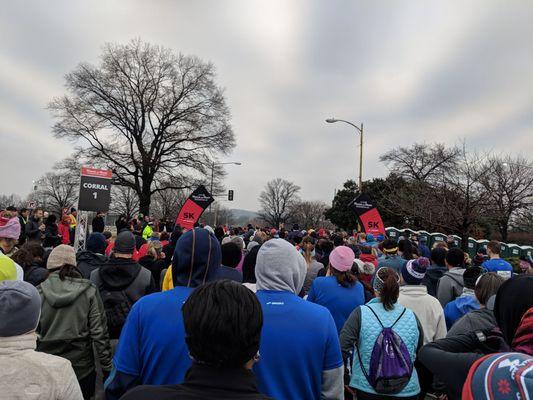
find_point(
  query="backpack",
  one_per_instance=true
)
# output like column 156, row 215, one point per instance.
column 117, row 305
column 390, row 363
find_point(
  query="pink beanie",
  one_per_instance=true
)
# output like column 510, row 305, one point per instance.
column 9, row 228
column 342, row 258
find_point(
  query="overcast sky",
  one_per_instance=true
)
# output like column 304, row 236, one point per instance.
column 411, row 71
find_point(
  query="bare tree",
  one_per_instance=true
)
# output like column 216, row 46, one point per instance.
column 277, row 200
column 421, row 162
column 448, row 196
column 309, row 214
column 59, row 190
column 167, row 203
column 154, row 117
column 509, row 185
column 124, row 201
column 11, row 200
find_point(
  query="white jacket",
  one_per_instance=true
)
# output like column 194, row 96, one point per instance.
column 427, row 309
column 28, row 374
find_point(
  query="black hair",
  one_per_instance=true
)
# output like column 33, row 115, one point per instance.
column 338, row 240
column 248, row 265
column 219, row 233
column 23, row 210
column 36, row 250
column 52, row 219
column 231, row 254
column 455, row 257
column 326, row 245
column 438, row 256
column 470, row 277
column 223, row 322
column 406, row 247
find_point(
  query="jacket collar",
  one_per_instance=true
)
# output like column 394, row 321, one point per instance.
column 231, row 379
column 14, row 344
column 414, row 290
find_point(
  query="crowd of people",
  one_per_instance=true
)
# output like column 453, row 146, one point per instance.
column 156, row 311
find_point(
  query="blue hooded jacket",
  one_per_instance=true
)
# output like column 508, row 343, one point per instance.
column 460, row 306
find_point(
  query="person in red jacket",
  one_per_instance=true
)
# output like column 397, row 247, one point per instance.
column 64, row 229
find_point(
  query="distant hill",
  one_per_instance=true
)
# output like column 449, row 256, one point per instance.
column 242, row 216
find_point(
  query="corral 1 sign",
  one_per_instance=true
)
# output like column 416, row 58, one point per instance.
column 95, row 189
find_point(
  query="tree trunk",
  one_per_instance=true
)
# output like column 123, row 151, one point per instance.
column 145, row 199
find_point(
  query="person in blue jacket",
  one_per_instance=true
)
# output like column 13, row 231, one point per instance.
column 152, row 348
column 340, row 292
column 467, row 301
column 362, row 329
column 495, row 263
column 300, row 352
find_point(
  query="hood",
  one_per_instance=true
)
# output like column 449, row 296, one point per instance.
column 280, row 266
column 367, row 257
column 523, row 339
column 196, row 258
column 466, row 303
column 60, row 293
column 119, row 273
column 457, row 272
column 509, row 308
column 435, row 272
column 89, row 257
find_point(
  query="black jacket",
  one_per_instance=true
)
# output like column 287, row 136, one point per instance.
column 204, row 382
column 51, row 236
column 98, row 224
column 32, row 229
column 35, row 274
column 433, row 274
column 88, row 261
column 154, row 266
column 22, row 237
column 123, row 275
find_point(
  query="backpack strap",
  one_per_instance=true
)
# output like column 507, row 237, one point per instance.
column 397, row 319
column 375, row 315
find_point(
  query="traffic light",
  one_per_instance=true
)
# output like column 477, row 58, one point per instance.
column 230, row 195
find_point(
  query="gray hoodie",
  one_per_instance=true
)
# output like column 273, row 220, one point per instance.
column 281, row 267
column 450, row 285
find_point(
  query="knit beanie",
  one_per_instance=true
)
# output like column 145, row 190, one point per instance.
column 9, row 228
column 8, row 271
column 20, row 308
column 124, row 243
column 500, row 376
column 413, row 271
column 61, row 255
column 96, row 243
column 342, row 258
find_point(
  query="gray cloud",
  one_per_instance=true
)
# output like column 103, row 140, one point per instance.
column 411, row 71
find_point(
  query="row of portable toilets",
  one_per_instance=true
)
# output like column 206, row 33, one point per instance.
column 509, row 250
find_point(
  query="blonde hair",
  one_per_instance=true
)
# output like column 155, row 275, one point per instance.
column 154, row 248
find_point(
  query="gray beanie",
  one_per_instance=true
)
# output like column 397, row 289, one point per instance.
column 61, row 255
column 280, row 266
column 20, row 308
column 124, row 243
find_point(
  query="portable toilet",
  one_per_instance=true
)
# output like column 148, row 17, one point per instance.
column 526, row 251
column 472, row 247
column 504, row 250
column 393, row 233
column 482, row 243
column 514, row 250
column 436, row 237
column 457, row 240
column 407, row 233
column 426, row 235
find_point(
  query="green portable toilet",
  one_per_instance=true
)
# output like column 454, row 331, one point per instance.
column 514, row 250
column 504, row 252
column 457, row 240
column 393, row 233
column 407, row 233
column 482, row 243
column 426, row 235
column 436, row 237
column 472, row 247
column 526, row 251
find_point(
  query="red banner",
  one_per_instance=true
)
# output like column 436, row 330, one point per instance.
column 192, row 209
column 368, row 214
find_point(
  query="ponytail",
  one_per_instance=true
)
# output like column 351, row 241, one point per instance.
column 69, row 271
column 388, row 285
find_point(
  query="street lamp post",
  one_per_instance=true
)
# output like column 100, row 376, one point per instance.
column 213, row 165
column 360, row 131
